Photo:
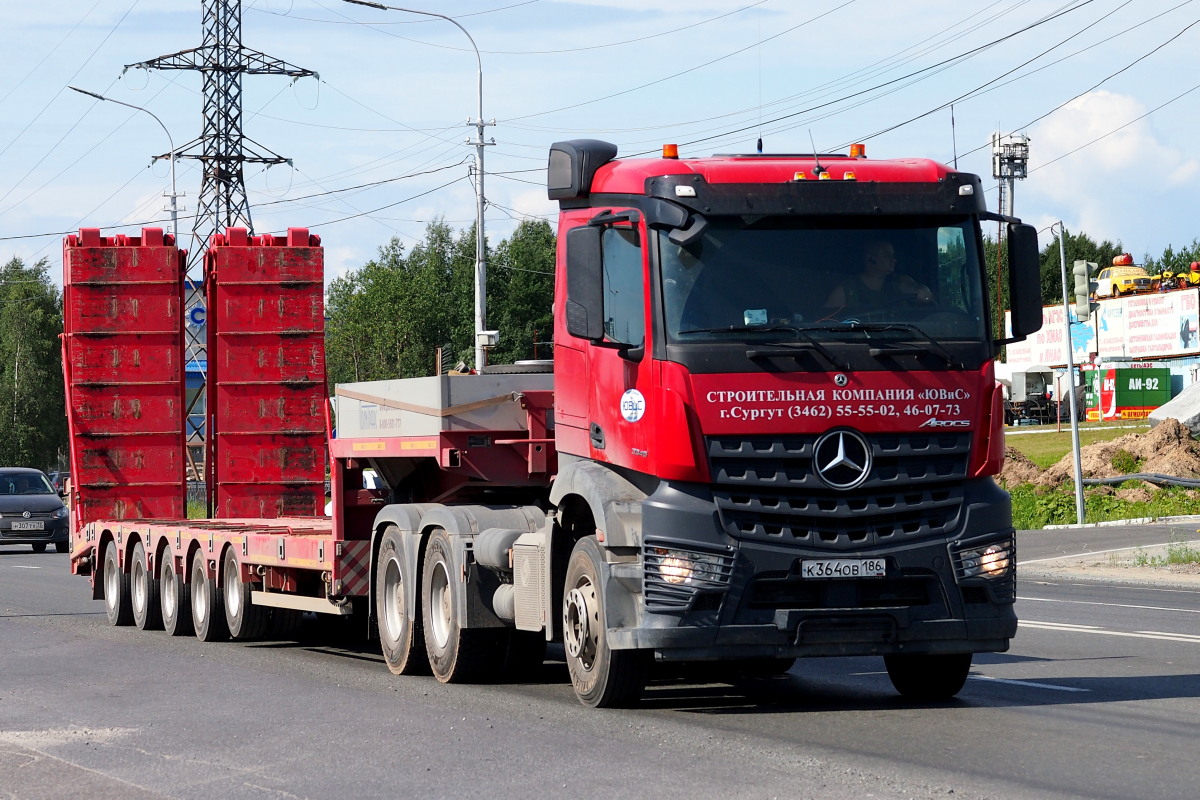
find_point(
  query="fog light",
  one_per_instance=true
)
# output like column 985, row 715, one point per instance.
column 675, row 569
column 994, row 561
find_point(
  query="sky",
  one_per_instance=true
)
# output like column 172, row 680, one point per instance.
column 1106, row 91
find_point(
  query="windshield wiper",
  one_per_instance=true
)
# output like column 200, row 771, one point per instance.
column 789, row 348
column 934, row 347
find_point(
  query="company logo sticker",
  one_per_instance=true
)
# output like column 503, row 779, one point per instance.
column 633, row 405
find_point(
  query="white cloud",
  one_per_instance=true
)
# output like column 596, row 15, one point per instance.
column 1095, row 162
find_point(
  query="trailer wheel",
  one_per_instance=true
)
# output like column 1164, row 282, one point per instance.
column 245, row 620
column 601, row 677
column 285, row 623
column 174, row 598
column 116, row 589
column 455, row 655
column 147, row 610
column 928, row 677
column 401, row 636
column 208, row 612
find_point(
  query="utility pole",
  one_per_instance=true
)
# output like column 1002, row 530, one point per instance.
column 1010, row 162
column 223, row 151
column 483, row 338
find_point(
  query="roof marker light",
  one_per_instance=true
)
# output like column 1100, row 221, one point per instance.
column 824, row 175
column 670, row 151
column 858, row 150
column 966, row 191
column 799, row 176
column 849, row 176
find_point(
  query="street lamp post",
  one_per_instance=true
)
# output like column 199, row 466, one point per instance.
column 173, row 208
column 1074, row 401
column 481, row 338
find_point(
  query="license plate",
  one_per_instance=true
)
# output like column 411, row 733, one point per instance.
column 28, row 525
column 835, row 568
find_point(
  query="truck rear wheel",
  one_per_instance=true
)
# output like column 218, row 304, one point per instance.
column 455, row 655
column 401, row 635
column 117, row 602
column 601, row 677
column 928, row 677
column 174, row 598
column 245, row 620
column 143, row 585
column 208, row 612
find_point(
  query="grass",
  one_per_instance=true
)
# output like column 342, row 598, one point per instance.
column 1044, row 446
column 1036, row 507
column 1179, row 551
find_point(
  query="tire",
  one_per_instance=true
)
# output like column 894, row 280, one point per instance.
column 927, row 677
column 244, row 620
column 175, row 598
column 208, row 609
column 401, row 633
column 62, row 547
column 285, row 622
column 601, row 677
column 143, row 591
column 39, row 547
column 455, row 655
column 116, row 589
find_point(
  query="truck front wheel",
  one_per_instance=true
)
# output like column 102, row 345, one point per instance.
column 928, row 677
column 400, row 633
column 455, row 655
column 601, row 677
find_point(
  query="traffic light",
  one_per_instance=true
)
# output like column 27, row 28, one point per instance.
column 1085, row 288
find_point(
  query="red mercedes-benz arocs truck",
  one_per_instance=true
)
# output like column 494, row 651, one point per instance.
column 769, row 431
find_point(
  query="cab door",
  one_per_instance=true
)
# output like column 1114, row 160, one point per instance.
column 607, row 316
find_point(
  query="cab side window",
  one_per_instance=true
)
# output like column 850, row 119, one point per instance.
column 624, row 289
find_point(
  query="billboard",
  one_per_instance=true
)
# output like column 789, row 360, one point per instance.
column 1160, row 325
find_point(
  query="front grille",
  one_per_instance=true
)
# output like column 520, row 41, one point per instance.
column 32, row 515
column 766, row 489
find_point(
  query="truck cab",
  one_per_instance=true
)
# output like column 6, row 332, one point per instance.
column 803, row 450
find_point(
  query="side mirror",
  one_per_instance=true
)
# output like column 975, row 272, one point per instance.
column 1024, row 281
column 585, row 284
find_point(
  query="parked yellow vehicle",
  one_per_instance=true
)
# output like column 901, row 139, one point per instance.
column 1117, row 281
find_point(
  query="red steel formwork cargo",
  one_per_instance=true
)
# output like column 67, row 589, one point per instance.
column 266, row 384
column 123, row 363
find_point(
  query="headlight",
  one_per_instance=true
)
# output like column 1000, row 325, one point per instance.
column 59, row 513
column 678, row 567
column 991, row 561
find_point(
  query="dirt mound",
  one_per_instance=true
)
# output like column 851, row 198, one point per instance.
column 1167, row 448
column 1018, row 469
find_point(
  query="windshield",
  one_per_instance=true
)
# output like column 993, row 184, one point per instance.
column 24, row 483
column 833, row 278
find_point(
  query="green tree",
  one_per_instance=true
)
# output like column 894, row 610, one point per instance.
column 1078, row 247
column 32, row 401
column 521, row 293
column 1176, row 261
column 388, row 319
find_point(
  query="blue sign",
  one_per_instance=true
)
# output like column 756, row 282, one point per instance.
column 197, row 316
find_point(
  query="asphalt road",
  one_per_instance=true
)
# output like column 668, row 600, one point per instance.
column 1099, row 697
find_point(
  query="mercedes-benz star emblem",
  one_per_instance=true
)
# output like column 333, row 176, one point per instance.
column 842, row 459
column 840, row 379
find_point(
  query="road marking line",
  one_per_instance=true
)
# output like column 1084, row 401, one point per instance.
column 1102, row 552
column 1113, row 605
column 1066, row 628
column 1050, row 686
column 24, row 566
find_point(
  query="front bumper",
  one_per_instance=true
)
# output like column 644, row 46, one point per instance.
column 753, row 602
column 55, row 532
